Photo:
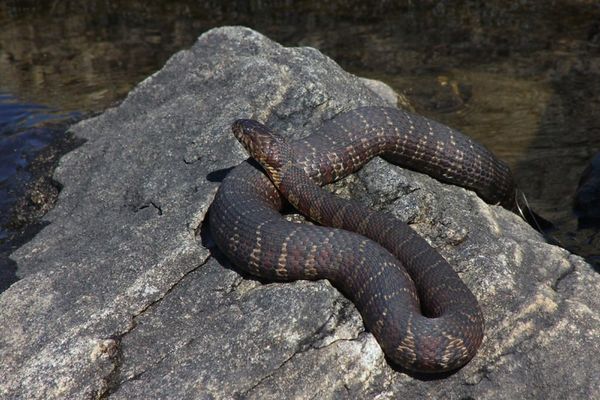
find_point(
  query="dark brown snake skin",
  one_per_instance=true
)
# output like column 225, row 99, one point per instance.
column 410, row 298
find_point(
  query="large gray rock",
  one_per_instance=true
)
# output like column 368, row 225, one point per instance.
column 121, row 299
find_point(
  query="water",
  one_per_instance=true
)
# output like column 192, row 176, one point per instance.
column 523, row 79
column 25, row 129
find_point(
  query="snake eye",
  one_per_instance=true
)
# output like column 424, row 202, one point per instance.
column 262, row 144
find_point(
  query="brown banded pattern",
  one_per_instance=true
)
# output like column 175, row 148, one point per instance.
column 410, row 298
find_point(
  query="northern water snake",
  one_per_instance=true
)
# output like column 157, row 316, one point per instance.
column 410, row 298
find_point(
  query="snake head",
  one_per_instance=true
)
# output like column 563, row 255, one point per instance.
column 271, row 150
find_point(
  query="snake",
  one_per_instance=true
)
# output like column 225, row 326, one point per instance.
column 421, row 313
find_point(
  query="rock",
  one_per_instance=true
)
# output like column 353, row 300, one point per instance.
column 120, row 296
column 386, row 92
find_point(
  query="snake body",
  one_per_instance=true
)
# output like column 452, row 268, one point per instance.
column 410, row 298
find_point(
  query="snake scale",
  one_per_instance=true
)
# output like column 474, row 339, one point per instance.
column 421, row 313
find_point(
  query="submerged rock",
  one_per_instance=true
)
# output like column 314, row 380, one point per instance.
column 121, row 298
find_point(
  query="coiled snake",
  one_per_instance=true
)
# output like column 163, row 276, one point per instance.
column 410, row 298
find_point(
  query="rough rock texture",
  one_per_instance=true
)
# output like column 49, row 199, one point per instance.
column 121, row 298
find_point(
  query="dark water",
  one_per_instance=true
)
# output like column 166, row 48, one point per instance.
column 521, row 77
column 25, row 130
